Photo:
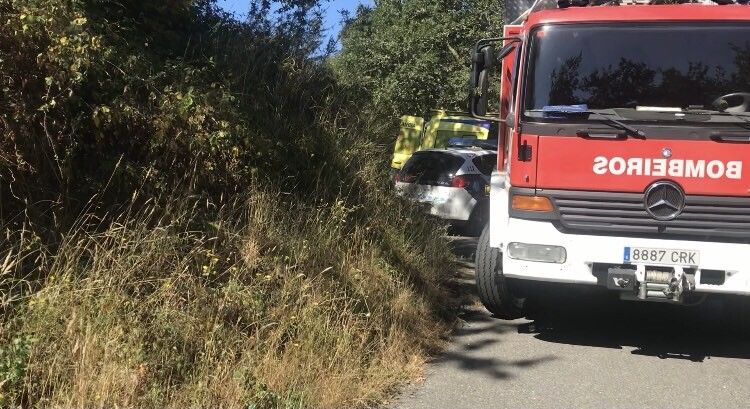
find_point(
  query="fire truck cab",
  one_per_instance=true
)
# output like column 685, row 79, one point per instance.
column 624, row 152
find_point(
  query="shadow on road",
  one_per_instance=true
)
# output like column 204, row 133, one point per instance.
column 595, row 319
column 479, row 333
column 659, row 330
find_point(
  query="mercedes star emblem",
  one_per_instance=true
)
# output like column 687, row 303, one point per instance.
column 666, row 152
column 664, row 200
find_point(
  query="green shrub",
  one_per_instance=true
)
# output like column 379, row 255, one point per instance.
column 14, row 357
column 103, row 98
column 197, row 214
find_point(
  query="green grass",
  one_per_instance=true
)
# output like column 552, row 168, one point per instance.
column 196, row 214
column 270, row 304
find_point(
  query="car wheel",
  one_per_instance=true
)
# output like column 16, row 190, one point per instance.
column 492, row 286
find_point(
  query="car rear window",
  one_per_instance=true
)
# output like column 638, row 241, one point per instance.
column 443, row 137
column 431, row 167
column 485, row 163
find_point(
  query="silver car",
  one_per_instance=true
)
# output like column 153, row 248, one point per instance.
column 452, row 182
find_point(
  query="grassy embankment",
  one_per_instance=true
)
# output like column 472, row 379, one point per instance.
column 195, row 213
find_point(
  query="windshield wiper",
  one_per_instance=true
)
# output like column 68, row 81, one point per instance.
column 744, row 116
column 579, row 110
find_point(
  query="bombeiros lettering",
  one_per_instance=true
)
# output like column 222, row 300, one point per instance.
column 678, row 168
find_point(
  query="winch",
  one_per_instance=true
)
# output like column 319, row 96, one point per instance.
column 651, row 283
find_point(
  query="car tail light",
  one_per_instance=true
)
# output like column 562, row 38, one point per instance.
column 460, row 181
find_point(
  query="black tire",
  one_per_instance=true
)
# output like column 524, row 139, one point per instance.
column 492, row 286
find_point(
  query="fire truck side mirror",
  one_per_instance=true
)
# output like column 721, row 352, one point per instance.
column 484, row 58
column 480, row 98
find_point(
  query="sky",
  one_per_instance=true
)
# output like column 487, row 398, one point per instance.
column 332, row 20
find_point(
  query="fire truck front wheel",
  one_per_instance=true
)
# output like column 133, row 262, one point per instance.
column 491, row 284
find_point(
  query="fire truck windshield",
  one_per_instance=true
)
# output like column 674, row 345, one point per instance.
column 644, row 71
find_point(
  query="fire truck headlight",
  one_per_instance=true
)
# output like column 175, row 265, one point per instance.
column 537, row 252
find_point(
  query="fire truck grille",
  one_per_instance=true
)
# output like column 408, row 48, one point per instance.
column 703, row 217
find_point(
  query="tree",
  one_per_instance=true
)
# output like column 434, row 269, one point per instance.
column 410, row 56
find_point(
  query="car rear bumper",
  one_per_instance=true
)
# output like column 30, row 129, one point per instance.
column 449, row 203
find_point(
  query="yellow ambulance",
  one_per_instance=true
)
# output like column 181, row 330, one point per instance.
column 417, row 134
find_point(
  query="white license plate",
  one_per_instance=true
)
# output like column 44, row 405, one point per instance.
column 661, row 256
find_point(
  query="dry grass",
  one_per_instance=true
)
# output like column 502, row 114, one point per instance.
column 271, row 305
column 325, row 295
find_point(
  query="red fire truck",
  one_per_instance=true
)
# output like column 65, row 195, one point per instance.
column 624, row 152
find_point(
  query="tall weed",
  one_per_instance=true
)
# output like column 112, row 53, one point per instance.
column 271, row 303
column 196, row 214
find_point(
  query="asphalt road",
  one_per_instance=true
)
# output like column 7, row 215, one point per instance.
column 583, row 351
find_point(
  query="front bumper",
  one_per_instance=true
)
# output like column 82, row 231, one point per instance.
column 586, row 254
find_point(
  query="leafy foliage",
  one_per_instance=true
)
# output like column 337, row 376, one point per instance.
column 196, row 213
column 14, row 358
column 412, row 56
column 102, row 97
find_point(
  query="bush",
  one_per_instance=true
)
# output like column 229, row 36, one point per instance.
column 105, row 97
column 197, row 214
